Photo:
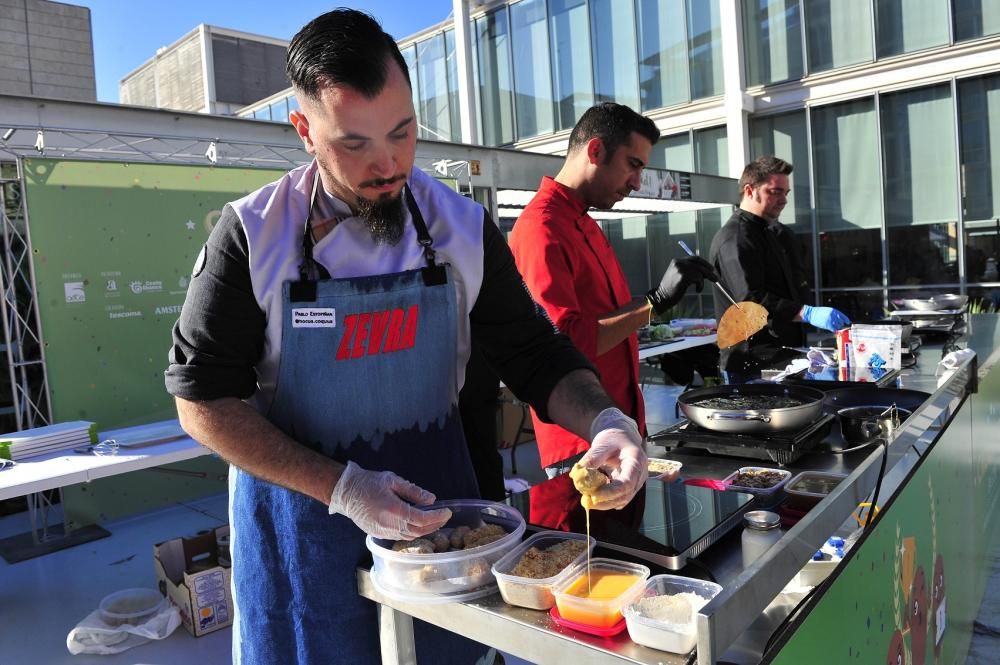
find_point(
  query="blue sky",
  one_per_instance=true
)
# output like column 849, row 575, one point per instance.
column 126, row 34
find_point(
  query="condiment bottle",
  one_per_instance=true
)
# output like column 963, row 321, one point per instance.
column 761, row 529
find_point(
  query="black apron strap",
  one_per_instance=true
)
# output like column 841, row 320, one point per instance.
column 433, row 274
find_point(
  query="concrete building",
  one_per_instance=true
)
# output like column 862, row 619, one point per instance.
column 890, row 112
column 46, row 50
column 208, row 70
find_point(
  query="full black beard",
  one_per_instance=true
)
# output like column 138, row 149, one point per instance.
column 383, row 217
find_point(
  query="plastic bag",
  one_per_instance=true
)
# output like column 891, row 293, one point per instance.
column 877, row 347
column 95, row 635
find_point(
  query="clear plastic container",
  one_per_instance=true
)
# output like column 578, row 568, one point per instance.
column 665, row 635
column 530, row 592
column 447, row 576
column 810, row 487
column 615, row 585
column 661, row 469
column 764, row 492
column 131, row 606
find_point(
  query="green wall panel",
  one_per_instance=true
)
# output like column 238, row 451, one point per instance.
column 887, row 605
column 113, row 246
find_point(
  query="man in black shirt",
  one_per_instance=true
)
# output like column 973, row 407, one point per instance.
column 754, row 255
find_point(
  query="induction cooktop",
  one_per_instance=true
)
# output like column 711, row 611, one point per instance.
column 680, row 521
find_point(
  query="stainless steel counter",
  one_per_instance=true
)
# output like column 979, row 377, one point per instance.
column 737, row 624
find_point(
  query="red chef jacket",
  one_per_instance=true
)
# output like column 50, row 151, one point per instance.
column 572, row 272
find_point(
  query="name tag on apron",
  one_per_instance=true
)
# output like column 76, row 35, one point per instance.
column 314, row 317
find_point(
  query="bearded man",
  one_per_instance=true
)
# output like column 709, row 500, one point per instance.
column 322, row 345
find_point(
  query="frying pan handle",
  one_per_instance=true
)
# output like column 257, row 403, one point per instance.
column 740, row 415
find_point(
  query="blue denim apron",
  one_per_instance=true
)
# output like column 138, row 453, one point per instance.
column 367, row 375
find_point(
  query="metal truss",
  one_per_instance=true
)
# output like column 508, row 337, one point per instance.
column 132, row 147
column 24, row 354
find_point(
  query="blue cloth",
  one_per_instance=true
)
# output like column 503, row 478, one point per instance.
column 367, row 375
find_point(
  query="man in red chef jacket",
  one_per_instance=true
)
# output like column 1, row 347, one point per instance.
column 572, row 271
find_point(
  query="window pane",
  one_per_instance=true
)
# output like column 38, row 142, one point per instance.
column 979, row 134
column 494, row 78
column 262, row 113
column 628, row 239
column 662, row 44
column 711, row 151
column 979, row 106
column 919, row 147
column 838, row 33
column 921, row 198
column 673, row 152
column 773, row 40
column 845, row 150
column 785, row 136
column 910, row 25
column 857, row 305
column 410, row 56
column 705, row 48
column 531, row 69
column 432, row 68
column 616, row 78
column 975, row 18
column 293, row 104
column 571, row 60
column 279, row 111
column 454, row 110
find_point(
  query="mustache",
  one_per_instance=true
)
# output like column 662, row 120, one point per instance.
column 381, row 182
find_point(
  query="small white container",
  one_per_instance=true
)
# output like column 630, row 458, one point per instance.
column 761, row 530
column 535, row 593
column 664, row 635
column 131, row 606
column 447, row 576
column 662, row 469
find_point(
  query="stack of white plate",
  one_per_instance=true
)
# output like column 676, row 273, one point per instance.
column 51, row 438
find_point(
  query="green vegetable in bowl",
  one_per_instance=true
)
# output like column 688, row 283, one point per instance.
column 661, row 332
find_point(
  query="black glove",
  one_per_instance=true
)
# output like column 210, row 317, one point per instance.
column 680, row 274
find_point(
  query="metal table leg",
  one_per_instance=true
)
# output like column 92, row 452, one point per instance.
column 396, row 637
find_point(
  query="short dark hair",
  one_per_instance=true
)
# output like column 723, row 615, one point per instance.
column 759, row 170
column 342, row 47
column 613, row 124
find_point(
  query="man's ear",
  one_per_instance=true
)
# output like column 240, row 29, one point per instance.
column 595, row 151
column 748, row 191
column 301, row 124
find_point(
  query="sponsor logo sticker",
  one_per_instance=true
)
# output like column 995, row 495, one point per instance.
column 74, row 292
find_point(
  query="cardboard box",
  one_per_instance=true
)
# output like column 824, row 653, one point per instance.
column 189, row 574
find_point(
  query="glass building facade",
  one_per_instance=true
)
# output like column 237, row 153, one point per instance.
column 889, row 110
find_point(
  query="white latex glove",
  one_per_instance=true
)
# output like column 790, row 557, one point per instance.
column 382, row 504
column 617, row 447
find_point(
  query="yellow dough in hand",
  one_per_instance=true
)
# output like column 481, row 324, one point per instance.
column 587, row 482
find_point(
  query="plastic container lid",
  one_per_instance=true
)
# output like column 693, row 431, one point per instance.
column 131, row 606
column 535, row 593
column 609, row 631
column 731, row 479
column 447, row 576
column 605, row 611
column 666, row 635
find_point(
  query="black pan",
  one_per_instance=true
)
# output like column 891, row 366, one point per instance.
column 752, row 420
column 869, row 396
